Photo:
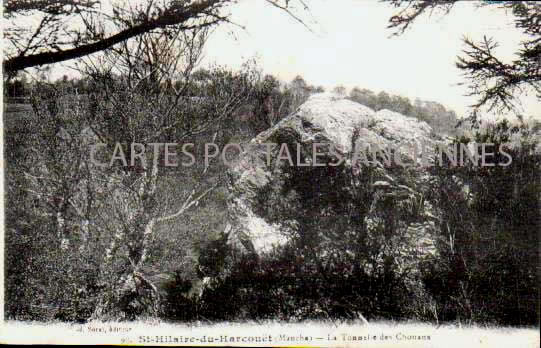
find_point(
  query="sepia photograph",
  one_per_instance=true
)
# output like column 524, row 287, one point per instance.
column 271, row 173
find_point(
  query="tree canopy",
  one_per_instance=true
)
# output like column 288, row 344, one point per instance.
column 40, row 32
column 495, row 82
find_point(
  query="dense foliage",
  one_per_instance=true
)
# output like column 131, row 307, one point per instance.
column 442, row 120
column 61, row 216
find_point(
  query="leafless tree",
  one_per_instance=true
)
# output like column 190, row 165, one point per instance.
column 148, row 86
column 42, row 32
column 145, row 91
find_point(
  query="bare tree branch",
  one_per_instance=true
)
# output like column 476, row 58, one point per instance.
column 174, row 16
column 495, row 83
column 59, row 40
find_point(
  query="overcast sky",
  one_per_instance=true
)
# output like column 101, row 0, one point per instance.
column 350, row 46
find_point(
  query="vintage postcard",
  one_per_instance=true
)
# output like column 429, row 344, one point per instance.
column 345, row 173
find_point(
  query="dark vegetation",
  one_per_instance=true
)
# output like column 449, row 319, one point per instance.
column 487, row 273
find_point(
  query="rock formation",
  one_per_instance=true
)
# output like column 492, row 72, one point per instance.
column 257, row 188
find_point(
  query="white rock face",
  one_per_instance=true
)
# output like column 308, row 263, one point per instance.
column 333, row 118
column 325, row 119
column 256, row 234
column 402, row 128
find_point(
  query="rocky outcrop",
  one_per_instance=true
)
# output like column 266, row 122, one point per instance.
column 267, row 204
